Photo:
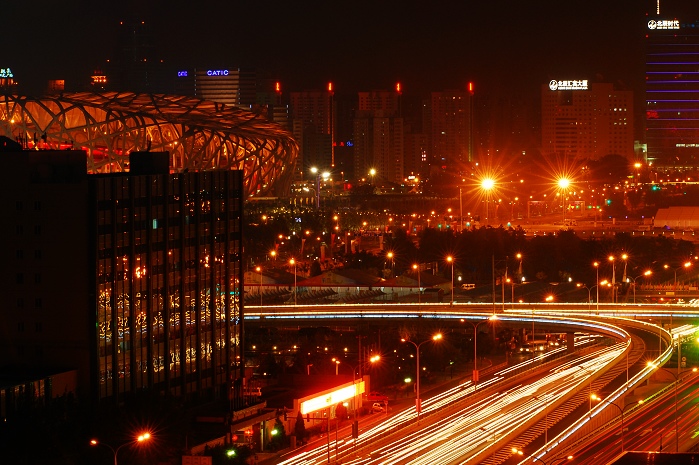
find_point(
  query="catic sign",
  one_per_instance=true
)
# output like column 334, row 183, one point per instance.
column 217, row 72
column 568, row 85
column 663, row 24
column 6, row 73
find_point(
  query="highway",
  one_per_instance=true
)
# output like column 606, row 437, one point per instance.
column 466, row 431
column 455, row 431
column 650, row 428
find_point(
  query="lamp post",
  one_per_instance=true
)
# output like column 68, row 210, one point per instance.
column 259, row 271
column 293, row 262
column 418, row 406
column 416, row 267
column 596, row 265
column 450, row 259
column 139, row 439
column 684, row 265
column 563, row 184
column 611, row 259
column 546, row 420
column 389, row 255
column 487, row 184
column 595, row 397
column 677, row 380
column 645, row 273
column 372, row 173
column 512, row 298
column 324, row 175
column 372, row 359
column 589, row 296
column 475, row 346
column 519, row 270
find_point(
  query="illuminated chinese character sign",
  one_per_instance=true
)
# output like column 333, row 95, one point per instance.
column 6, row 73
column 663, row 24
column 568, row 85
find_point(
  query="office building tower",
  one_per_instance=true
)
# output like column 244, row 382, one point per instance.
column 379, row 136
column 450, row 129
column 672, row 84
column 131, row 279
column 582, row 120
column 313, row 126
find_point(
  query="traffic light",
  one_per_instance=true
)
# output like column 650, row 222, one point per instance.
column 355, row 429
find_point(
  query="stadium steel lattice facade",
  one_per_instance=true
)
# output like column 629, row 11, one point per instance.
column 199, row 135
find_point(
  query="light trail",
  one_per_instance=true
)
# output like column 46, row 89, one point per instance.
column 473, row 429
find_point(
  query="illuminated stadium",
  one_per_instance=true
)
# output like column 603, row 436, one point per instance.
column 200, row 135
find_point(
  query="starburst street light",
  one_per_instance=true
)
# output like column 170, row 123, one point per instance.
column 487, row 185
column 563, row 184
column 141, row 438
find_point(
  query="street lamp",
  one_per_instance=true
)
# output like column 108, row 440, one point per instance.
column 372, row 173
column 450, row 259
column 685, row 265
column 324, row 175
column 259, row 271
column 596, row 265
column 293, row 262
column 418, row 406
column 611, row 259
column 137, row 440
column 563, row 184
column 487, row 184
column 519, row 270
column 475, row 353
column 595, row 397
column 645, row 273
column 589, row 305
column 416, row 267
column 355, row 426
column 389, row 255
column 677, row 380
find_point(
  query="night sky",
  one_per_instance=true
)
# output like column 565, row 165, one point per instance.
column 359, row 45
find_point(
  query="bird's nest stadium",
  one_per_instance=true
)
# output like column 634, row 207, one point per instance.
column 199, row 135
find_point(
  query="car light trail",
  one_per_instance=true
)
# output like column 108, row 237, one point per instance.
column 461, row 435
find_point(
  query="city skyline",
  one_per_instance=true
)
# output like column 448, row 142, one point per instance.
column 501, row 47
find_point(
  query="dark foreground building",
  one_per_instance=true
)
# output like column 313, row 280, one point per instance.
column 127, row 281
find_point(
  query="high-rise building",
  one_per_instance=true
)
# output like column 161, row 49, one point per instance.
column 379, row 136
column 131, row 279
column 450, row 130
column 672, row 84
column 313, row 126
column 582, row 120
